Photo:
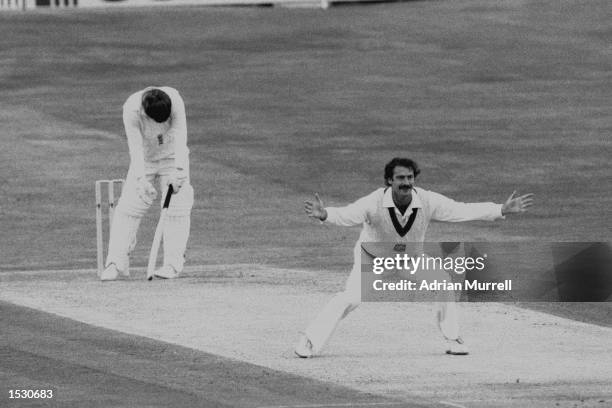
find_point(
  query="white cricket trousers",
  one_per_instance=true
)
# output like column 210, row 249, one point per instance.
column 132, row 207
column 323, row 326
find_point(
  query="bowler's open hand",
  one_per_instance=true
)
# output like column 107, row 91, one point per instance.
column 514, row 205
column 315, row 209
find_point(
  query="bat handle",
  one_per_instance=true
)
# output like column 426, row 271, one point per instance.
column 168, row 196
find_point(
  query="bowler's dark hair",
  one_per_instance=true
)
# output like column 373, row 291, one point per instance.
column 157, row 105
column 403, row 162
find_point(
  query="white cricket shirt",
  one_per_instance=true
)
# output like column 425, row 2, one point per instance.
column 383, row 222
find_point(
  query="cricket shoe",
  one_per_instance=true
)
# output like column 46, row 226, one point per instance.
column 110, row 273
column 303, row 348
column 125, row 273
column 456, row 347
column 166, row 272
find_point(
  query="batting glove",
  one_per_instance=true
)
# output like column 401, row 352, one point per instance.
column 177, row 179
column 146, row 191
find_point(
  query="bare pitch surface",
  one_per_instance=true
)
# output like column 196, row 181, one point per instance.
column 252, row 314
column 490, row 96
column 84, row 365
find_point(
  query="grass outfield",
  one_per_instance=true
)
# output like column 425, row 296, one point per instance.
column 488, row 96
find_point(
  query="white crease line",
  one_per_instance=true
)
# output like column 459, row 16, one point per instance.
column 452, row 404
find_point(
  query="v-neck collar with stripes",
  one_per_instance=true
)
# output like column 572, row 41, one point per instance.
column 402, row 222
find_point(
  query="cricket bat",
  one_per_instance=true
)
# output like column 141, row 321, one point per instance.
column 159, row 231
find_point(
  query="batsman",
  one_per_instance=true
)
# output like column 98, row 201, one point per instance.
column 399, row 212
column 156, row 129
